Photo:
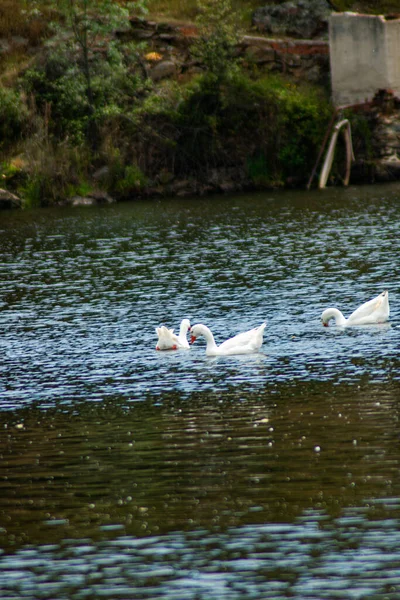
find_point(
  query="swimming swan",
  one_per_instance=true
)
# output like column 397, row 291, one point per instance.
column 243, row 343
column 376, row 310
column 167, row 340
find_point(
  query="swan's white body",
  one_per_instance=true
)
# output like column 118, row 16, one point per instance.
column 243, row 343
column 375, row 311
column 167, row 340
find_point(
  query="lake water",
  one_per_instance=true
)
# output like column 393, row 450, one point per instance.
column 131, row 473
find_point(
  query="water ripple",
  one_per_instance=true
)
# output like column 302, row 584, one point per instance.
column 82, row 293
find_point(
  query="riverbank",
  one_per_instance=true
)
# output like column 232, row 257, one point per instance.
column 159, row 123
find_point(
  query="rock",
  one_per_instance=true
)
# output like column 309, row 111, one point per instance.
column 81, row 201
column 315, row 74
column 19, row 41
column 92, row 199
column 16, row 42
column 261, row 54
column 143, row 35
column 299, row 18
column 181, row 187
column 228, row 187
column 4, row 46
column 162, row 70
column 388, row 169
column 102, row 174
column 9, row 200
column 101, row 197
column 363, row 171
column 164, row 177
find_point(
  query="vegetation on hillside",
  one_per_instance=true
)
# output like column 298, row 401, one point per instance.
column 78, row 112
column 187, row 9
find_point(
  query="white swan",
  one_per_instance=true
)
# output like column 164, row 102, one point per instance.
column 243, row 343
column 376, row 310
column 167, row 340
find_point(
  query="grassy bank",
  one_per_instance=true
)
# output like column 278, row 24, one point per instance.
column 78, row 112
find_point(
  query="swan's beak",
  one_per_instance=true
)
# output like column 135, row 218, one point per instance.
column 325, row 324
column 192, row 339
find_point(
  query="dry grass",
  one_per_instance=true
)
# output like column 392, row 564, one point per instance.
column 381, row 7
column 14, row 22
column 21, row 35
column 186, row 10
column 11, row 66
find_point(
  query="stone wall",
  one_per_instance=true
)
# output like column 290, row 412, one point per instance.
column 303, row 60
column 381, row 162
column 168, row 53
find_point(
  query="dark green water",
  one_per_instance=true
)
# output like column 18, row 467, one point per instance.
column 131, row 473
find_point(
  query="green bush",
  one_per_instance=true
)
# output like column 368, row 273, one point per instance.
column 83, row 188
column 302, row 119
column 268, row 127
column 13, row 173
column 258, row 170
column 60, row 83
column 218, row 35
column 132, row 181
column 13, row 116
column 86, row 74
column 33, row 192
column 198, row 121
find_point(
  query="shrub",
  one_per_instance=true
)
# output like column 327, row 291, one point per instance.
column 13, row 173
column 302, row 119
column 53, row 170
column 218, row 36
column 13, row 116
column 86, row 75
column 268, row 127
column 33, row 192
column 60, row 83
column 132, row 181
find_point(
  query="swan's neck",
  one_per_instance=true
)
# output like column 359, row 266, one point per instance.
column 333, row 313
column 183, row 330
column 208, row 336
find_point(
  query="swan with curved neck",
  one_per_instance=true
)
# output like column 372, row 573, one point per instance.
column 247, row 342
column 167, row 340
column 372, row 312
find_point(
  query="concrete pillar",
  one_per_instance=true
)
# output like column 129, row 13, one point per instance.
column 364, row 56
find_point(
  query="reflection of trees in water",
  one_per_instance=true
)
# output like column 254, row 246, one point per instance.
column 205, row 461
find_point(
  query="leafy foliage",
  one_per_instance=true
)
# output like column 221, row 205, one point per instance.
column 87, row 75
column 268, row 127
column 60, row 82
column 13, row 116
column 302, row 118
column 91, row 111
column 217, row 39
column 132, row 181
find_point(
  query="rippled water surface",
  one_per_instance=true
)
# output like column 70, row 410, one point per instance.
column 131, row 473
